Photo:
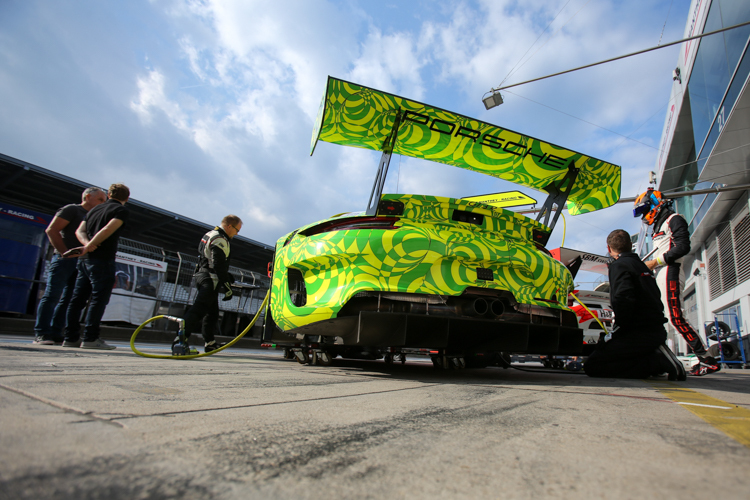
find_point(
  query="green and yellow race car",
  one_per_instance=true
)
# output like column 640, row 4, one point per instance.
column 459, row 279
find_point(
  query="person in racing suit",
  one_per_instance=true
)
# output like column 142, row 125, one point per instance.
column 671, row 241
column 637, row 348
column 212, row 279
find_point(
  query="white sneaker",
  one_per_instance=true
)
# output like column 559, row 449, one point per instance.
column 97, row 344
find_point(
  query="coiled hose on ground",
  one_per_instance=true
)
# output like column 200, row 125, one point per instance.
column 193, row 356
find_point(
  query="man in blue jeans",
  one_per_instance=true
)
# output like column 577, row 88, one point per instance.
column 61, row 274
column 99, row 233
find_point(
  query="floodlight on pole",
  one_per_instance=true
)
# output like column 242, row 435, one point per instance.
column 492, row 100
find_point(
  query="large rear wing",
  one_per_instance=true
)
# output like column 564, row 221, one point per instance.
column 354, row 115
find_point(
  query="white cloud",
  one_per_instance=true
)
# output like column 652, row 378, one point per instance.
column 304, row 39
column 479, row 48
column 193, row 55
column 391, row 63
column 151, row 98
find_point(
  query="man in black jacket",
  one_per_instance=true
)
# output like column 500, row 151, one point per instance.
column 671, row 240
column 637, row 348
column 212, row 278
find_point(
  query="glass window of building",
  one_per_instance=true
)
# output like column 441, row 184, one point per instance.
column 718, row 75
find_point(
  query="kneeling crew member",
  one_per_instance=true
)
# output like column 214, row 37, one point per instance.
column 212, row 278
column 637, row 348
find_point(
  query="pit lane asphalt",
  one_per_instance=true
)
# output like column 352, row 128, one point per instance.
column 85, row 424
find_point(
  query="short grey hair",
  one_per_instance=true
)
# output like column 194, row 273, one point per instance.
column 91, row 190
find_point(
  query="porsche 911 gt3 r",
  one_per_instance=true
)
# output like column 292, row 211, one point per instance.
column 459, row 279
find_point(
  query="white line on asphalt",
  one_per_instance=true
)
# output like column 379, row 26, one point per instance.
column 705, row 406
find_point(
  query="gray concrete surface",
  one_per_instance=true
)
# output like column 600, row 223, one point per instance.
column 25, row 327
column 84, row 424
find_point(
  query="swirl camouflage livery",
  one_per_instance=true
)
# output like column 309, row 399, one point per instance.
column 425, row 252
column 354, row 115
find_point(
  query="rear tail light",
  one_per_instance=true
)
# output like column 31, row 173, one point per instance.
column 352, row 223
column 390, row 207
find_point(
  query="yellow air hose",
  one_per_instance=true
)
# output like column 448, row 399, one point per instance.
column 592, row 314
column 565, row 229
column 192, row 356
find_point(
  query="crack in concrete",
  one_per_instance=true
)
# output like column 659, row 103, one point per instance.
column 64, row 407
column 271, row 403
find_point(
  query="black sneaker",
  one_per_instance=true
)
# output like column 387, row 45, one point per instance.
column 669, row 364
column 212, row 346
column 43, row 341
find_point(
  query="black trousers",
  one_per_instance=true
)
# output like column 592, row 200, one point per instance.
column 204, row 313
column 629, row 354
column 671, row 288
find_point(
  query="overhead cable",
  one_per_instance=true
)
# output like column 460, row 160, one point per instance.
column 623, row 56
column 586, row 121
column 514, row 69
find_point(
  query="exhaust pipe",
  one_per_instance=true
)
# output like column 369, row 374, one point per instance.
column 478, row 307
column 474, row 308
column 497, row 308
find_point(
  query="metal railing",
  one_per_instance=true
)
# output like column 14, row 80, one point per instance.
column 178, row 287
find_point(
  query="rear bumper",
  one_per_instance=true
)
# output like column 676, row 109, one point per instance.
column 383, row 329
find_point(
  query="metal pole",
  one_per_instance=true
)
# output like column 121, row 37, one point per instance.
column 682, row 194
column 176, row 283
column 252, row 292
column 718, row 338
column 239, row 303
column 740, row 340
column 622, row 57
column 668, row 194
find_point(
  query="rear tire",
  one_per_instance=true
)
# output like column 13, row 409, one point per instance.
column 724, row 330
column 731, row 351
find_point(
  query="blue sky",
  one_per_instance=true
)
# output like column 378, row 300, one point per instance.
column 206, row 107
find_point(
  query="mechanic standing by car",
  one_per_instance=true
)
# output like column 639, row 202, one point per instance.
column 671, row 243
column 212, row 279
column 637, row 348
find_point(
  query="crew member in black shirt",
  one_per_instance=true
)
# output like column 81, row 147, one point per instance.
column 637, row 348
column 99, row 234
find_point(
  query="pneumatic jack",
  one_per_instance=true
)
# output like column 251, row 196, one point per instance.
column 180, row 346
